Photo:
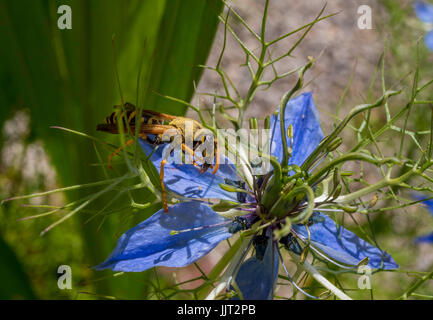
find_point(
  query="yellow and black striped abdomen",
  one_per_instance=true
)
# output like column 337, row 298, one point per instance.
column 128, row 115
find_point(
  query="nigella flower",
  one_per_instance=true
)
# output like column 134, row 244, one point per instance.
column 429, row 203
column 424, row 12
column 192, row 228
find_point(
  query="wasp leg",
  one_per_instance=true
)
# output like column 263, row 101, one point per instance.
column 161, row 177
column 190, row 152
column 163, row 193
column 117, row 151
column 217, row 159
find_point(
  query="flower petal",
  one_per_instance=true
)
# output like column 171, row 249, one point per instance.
column 301, row 113
column 151, row 243
column 342, row 245
column 426, row 238
column 428, row 40
column 428, row 203
column 424, row 11
column 186, row 179
column 256, row 278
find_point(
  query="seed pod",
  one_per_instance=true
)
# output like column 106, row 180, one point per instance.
column 274, row 186
column 281, row 205
column 300, row 197
column 299, row 182
column 271, row 193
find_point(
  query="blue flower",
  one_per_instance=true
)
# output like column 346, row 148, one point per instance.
column 429, row 203
column 424, row 12
column 152, row 242
column 266, row 266
column 186, row 181
column 342, row 245
column 191, row 229
column 301, row 113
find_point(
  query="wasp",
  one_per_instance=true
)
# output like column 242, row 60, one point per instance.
column 153, row 125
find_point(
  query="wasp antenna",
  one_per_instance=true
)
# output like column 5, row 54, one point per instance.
column 116, row 69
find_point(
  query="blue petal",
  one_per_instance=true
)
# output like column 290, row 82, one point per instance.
column 344, row 246
column 428, row 203
column 424, row 11
column 428, row 40
column 301, row 113
column 256, row 278
column 427, row 238
column 150, row 243
column 186, row 179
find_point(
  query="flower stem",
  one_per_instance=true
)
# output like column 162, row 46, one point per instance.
column 417, row 284
column 383, row 183
column 321, row 279
column 283, row 105
column 355, row 111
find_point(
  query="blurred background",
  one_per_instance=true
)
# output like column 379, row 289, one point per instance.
column 53, row 77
